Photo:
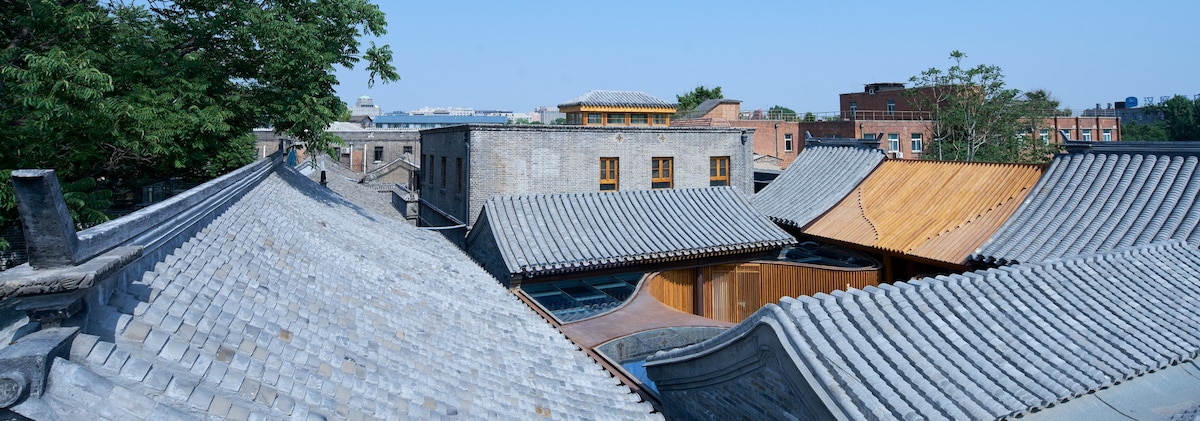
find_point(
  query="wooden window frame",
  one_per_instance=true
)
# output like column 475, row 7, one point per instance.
column 599, row 119
column 660, row 119
column 638, row 119
column 610, row 174
column 788, row 143
column 662, row 172
column 718, row 171
column 612, row 119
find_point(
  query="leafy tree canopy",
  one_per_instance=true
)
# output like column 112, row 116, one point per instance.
column 689, row 101
column 976, row 117
column 779, row 112
column 171, row 88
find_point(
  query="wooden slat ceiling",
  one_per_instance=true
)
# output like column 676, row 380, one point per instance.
column 941, row 211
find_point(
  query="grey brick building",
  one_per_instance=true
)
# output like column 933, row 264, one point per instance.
column 463, row 166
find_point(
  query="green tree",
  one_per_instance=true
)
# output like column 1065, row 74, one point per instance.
column 1146, row 132
column 976, row 117
column 1181, row 117
column 778, row 112
column 560, row 120
column 689, row 101
column 169, row 88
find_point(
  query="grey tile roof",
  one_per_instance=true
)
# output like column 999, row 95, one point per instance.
column 816, row 181
column 296, row 303
column 981, row 345
column 559, row 233
column 633, row 99
column 1100, row 200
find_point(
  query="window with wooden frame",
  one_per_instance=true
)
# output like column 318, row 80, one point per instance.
column 661, row 175
column 595, row 118
column 616, row 118
column 660, row 119
column 637, row 119
column 718, row 171
column 609, row 174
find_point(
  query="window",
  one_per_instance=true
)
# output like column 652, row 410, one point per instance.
column 868, row 135
column 787, row 142
column 458, row 173
column 616, row 118
column 660, row 119
column 853, row 109
column 1087, row 135
column 639, row 119
column 378, row 153
column 917, row 144
column 594, row 118
column 443, row 172
column 609, row 172
column 1107, row 135
column 660, row 173
column 893, row 142
column 1065, row 133
column 408, row 150
column 1045, row 136
column 718, row 171
column 891, row 106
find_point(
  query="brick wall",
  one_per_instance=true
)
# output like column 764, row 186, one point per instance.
column 564, row 159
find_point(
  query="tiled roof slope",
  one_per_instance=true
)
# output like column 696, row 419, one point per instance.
column 981, row 345
column 936, row 210
column 559, row 233
column 1097, row 201
column 295, row 302
column 818, row 178
column 633, row 99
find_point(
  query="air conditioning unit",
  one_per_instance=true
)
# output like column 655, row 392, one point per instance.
column 346, row 151
column 897, row 154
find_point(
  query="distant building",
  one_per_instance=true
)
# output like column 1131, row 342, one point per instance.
column 432, row 121
column 365, row 106
column 463, row 166
column 443, row 111
column 548, row 114
column 617, row 108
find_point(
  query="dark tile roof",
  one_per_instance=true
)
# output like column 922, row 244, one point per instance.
column 294, row 302
column 1102, row 198
column 559, row 233
column 982, row 345
column 816, row 181
column 633, row 99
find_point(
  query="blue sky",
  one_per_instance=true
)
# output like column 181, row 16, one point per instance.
column 518, row 55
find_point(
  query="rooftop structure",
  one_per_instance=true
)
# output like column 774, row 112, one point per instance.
column 430, row 121
column 1101, row 196
column 263, row 294
column 617, row 108
column 539, row 235
column 1092, row 337
column 819, row 178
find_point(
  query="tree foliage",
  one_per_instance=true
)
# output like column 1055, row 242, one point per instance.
column 689, row 101
column 779, row 112
column 976, row 117
column 171, row 88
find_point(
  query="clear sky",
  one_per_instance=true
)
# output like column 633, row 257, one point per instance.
column 517, row 55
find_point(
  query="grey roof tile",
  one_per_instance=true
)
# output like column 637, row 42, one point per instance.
column 989, row 344
column 560, row 233
column 359, row 315
column 816, row 181
column 602, row 98
column 1100, row 199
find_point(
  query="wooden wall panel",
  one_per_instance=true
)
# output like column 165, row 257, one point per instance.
column 732, row 293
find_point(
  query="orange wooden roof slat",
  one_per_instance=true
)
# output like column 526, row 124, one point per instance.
column 936, row 210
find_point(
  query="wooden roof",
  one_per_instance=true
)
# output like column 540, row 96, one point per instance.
column 940, row 211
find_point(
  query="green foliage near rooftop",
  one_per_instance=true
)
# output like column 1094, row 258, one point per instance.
column 1180, row 121
column 146, row 89
column 976, row 117
column 779, row 112
column 689, row 101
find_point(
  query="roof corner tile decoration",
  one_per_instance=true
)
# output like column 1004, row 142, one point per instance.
column 819, row 178
column 1046, row 340
column 538, row 235
column 941, row 211
column 1102, row 197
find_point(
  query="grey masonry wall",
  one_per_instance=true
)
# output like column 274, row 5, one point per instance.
column 534, row 159
column 360, row 146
